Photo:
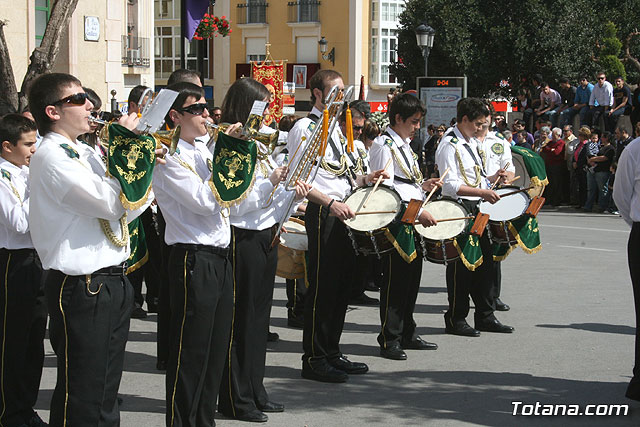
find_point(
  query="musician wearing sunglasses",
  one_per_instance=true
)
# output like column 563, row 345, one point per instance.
column 402, row 268
column 468, row 179
column 331, row 254
column 79, row 229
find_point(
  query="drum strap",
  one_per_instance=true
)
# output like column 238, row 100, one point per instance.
column 480, row 165
column 406, row 160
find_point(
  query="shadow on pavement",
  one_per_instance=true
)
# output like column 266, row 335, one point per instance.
column 595, row 327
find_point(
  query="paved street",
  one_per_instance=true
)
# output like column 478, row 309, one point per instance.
column 571, row 305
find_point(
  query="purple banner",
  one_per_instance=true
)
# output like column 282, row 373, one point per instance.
column 194, row 11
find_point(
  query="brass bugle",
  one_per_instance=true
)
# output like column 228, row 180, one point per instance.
column 169, row 138
column 97, row 121
column 268, row 139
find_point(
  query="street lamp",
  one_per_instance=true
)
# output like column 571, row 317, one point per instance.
column 424, row 38
column 331, row 56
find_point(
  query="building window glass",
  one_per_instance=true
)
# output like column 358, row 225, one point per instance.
column 384, row 40
column 166, row 9
column 43, row 13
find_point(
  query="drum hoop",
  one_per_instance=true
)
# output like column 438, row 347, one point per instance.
column 387, row 187
column 452, row 200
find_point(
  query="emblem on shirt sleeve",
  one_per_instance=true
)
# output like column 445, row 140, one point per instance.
column 389, row 142
column 312, row 126
column 497, row 148
column 499, row 135
column 454, row 140
column 210, row 165
column 6, row 174
column 71, row 152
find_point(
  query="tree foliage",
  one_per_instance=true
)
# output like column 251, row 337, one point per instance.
column 490, row 41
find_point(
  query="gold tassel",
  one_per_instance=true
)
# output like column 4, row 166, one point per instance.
column 325, row 131
column 350, row 148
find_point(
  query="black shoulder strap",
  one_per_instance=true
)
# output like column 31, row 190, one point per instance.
column 475, row 159
column 404, row 156
column 313, row 117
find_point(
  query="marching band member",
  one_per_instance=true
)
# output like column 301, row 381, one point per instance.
column 401, row 270
column 498, row 160
column 23, row 314
column 254, row 260
column 88, row 296
column 331, row 256
column 461, row 153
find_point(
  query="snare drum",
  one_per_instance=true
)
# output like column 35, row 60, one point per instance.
column 291, row 250
column 503, row 212
column 440, row 238
column 367, row 230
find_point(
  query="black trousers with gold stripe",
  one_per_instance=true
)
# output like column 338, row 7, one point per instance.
column 330, row 273
column 23, row 320
column 88, row 329
column 254, row 271
column 201, row 308
column 398, row 294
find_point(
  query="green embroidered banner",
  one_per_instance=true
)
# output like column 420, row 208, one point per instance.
column 534, row 164
column 526, row 231
column 468, row 247
column 401, row 236
column 234, row 162
column 138, row 244
column 130, row 160
column 501, row 251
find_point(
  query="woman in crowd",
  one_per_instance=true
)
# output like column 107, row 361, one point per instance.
column 553, row 154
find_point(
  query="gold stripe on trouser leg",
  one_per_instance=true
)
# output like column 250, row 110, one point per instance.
column 66, row 355
column 455, row 286
column 184, row 315
column 386, row 310
column 315, row 297
column 233, row 317
column 4, row 335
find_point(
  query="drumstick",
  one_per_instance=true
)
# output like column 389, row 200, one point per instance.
column 294, row 232
column 375, row 187
column 433, row 190
column 516, row 192
column 375, row 212
column 498, row 180
column 515, row 178
column 451, row 219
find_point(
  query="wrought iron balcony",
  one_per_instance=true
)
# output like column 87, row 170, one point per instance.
column 135, row 51
column 252, row 12
column 303, row 11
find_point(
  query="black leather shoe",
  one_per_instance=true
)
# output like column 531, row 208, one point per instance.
column 419, row 344
column 462, row 329
column 271, row 407
column 323, row 372
column 493, row 326
column 138, row 313
column 394, row 352
column 364, row 299
column 348, row 366
column 252, row 417
column 500, row 306
column 272, row 337
column 295, row 322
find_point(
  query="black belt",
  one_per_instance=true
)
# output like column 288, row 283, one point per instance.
column 25, row 251
column 223, row 252
column 115, row 270
column 405, row 180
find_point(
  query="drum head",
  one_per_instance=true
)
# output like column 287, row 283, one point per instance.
column 507, row 208
column 443, row 209
column 296, row 236
column 384, row 199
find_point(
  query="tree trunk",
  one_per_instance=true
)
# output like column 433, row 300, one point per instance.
column 8, row 90
column 43, row 57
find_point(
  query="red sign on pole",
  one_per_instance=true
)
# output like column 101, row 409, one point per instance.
column 378, row 107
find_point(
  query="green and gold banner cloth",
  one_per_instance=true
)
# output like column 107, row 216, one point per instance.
column 234, row 163
column 138, row 244
column 401, row 236
column 130, row 160
column 468, row 247
column 501, row 251
column 534, row 164
column 526, row 231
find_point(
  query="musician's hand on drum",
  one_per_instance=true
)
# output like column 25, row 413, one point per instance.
column 490, row 196
column 278, row 175
column 235, row 130
column 373, row 176
column 302, row 189
column 500, row 176
column 130, row 121
column 283, row 229
column 342, row 211
column 426, row 219
column 160, row 153
column 431, row 183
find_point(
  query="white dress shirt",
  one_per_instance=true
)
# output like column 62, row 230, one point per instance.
column 451, row 146
column 496, row 157
column 256, row 212
column 602, row 94
column 14, row 208
column 190, row 209
column 336, row 187
column 626, row 187
column 68, row 196
column 381, row 153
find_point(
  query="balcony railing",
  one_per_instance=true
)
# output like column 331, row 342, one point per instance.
column 135, row 51
column 252, row 13
column 303, row 11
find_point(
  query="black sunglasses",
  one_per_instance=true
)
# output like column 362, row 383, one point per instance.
column 195, row 109
column 75, row 99
column 358, row 128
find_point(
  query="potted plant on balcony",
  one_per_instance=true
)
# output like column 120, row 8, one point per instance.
column 211, row 26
